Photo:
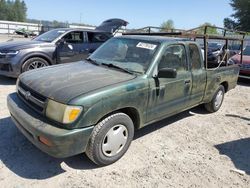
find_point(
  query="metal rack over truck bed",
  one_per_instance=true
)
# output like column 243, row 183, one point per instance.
column 200, row 33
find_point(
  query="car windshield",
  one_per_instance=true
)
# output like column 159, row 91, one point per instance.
column 131, row 54
column 246, row 51
column 214, row 45
column 50, row 35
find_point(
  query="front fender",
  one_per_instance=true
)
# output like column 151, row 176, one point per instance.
column 37, row 54
column 99, row 105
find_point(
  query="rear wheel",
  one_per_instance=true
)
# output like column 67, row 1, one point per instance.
column 215, row 104
column 110, row 139
column 34, row 63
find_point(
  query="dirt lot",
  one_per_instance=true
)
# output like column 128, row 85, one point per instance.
column 192, row 149
column 6, row 37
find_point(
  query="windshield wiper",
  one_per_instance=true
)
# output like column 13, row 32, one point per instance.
column 92, row 61
column 117, row 67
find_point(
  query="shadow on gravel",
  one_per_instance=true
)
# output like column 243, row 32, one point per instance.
column 243, row 82
column 238, row 151
column 200, row 110
column 7, row 81
column 25, row 160
column 237, row 116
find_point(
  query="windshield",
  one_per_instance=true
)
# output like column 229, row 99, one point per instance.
column 50, row 35
column 214, row 45
column 131, row 54
column 247, row 51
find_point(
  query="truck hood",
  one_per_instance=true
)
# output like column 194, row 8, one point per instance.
column 18, row 45
column 65, row 82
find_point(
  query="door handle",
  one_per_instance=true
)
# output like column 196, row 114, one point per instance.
column 187, row 81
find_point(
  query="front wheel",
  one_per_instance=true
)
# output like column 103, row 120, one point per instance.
column 215, row 104
column 110, row 139
column 34, row 63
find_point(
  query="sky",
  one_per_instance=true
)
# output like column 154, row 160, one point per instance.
column 186, row 14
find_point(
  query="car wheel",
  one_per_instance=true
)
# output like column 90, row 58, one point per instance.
column 110, row 139
column 217, row 100
column 34, row 63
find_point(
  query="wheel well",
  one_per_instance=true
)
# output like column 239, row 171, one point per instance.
column 131, row 112
column 40, row 56
column 225, row 85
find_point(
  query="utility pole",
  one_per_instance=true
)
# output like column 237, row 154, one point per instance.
column 80, row 18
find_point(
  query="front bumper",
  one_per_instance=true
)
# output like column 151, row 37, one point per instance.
column 64, row 142
column 9, row 69
column 9, row 74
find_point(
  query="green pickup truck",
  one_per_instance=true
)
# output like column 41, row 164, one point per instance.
column 94, row 106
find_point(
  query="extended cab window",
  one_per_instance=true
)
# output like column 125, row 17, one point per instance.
column 97, row 37
column 74, row 37
column 174, row 57
column 195, row 59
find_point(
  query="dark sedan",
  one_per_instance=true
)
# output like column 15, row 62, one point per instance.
column 53, row 47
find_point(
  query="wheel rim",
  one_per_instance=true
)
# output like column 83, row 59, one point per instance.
column 36, row 65
column 115, row 140
column 218, row 99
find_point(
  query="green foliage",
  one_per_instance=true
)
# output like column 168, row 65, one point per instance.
column 167, row 25
column 50, row 24
column 229, row 23
column 241, row 15
column 210, row 30
column 13, row 10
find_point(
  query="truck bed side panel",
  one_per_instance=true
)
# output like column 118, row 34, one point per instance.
column 227, row 76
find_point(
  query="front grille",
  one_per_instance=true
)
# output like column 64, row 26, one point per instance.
column 32, row 98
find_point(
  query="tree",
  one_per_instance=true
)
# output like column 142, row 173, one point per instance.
column 241, row 15
column 229, row 23
column 13, row 10
column 24, row 11
column 210, row 30
column 3, row 10
column 167, row 25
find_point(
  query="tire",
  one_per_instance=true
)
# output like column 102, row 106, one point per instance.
column 215, row 104
column 34, row 63
column 110, row 139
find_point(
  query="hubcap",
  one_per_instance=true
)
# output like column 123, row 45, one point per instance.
column 218, row 99
column 115, row 140
column 36, row 65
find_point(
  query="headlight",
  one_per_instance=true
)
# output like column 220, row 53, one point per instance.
column 62, row 113
column 8, row 53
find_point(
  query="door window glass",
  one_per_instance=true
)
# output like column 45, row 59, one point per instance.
column 174, row 57
column 97, row 37
column 74, row 37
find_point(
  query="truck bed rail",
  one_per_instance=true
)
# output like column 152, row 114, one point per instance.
column 203, row 32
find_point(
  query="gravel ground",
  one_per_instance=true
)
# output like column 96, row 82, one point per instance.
column 6, row 37
column 191, row 149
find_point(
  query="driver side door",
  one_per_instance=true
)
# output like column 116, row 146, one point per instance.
column 168, row 96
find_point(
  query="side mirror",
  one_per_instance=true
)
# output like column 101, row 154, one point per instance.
column 167, row 73
column 61, row 42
